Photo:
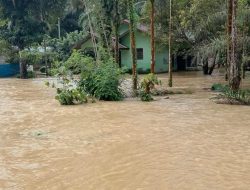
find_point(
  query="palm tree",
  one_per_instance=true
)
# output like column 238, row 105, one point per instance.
column 170, row 80
column 234, row 63
column 229, row 30
column 132, row 41
column 152, row 35
column 116, row 23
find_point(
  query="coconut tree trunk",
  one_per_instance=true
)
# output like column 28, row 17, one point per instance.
column 170, row 70
column 116, row 27
column 234, row 74
column 229, row 31
column 133, row 42
column 244, row 52
column 152, row 26
column 117, row 46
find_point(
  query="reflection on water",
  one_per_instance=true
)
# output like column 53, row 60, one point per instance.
column 185, row 142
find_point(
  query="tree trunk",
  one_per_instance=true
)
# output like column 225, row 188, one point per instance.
column 116, row 26
column 234, row 74
column 132, row 42
column 205, row 67
column 244, row 49
column 45, row 57
column 152, row 26
column 212, row 66
column 23, row 67
column 229, row 31
column 170, row 70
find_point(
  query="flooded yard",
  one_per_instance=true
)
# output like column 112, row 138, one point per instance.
column 182, row 143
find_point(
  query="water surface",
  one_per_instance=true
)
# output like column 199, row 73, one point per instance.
column 182, row 143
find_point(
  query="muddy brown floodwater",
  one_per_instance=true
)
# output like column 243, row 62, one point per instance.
column 186, row 142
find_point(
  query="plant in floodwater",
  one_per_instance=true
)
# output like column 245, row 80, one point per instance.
column 218, row 87
column 241, row 96
column 31, row 74
column 103, row 81
column 147, row 85
column 71, row 96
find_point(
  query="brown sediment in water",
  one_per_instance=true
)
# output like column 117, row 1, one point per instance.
column 185, row 142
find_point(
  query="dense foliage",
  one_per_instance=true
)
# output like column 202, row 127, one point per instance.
column 103, row 81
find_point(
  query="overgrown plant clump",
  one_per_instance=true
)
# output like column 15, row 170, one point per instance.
column 241, row 96
column 100, row 79
column 147, row 85
column 71, row 96
column 103, row 81
column 78, row 62
column 68, row 92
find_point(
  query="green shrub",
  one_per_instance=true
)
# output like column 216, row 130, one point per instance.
column 147, row 85
column 71, row 96
column 31, row 74
column 242, row 96
column 104, row 82
column 78, row 62
column 218, row 87
column 146, row 97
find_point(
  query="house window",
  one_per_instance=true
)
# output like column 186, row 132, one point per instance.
column 139, row 53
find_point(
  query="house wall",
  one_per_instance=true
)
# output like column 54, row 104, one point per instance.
column 143, row 41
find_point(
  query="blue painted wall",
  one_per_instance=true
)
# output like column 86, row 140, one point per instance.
column 8, row 70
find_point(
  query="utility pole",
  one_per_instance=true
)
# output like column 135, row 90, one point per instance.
column 59, row 28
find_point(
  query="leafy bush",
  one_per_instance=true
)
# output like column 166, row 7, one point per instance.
column 147, row 85
column 78, row 62
column 71, row 96
column 242, row 96
column 218, row 87
column 104, row 82
column 31, row 74
column 99, row 78
column 146, row 97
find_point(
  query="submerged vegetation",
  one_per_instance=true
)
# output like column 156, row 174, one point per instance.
column 227, row 95
column 100, row 79
column 52, row 37
column 147, row 85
